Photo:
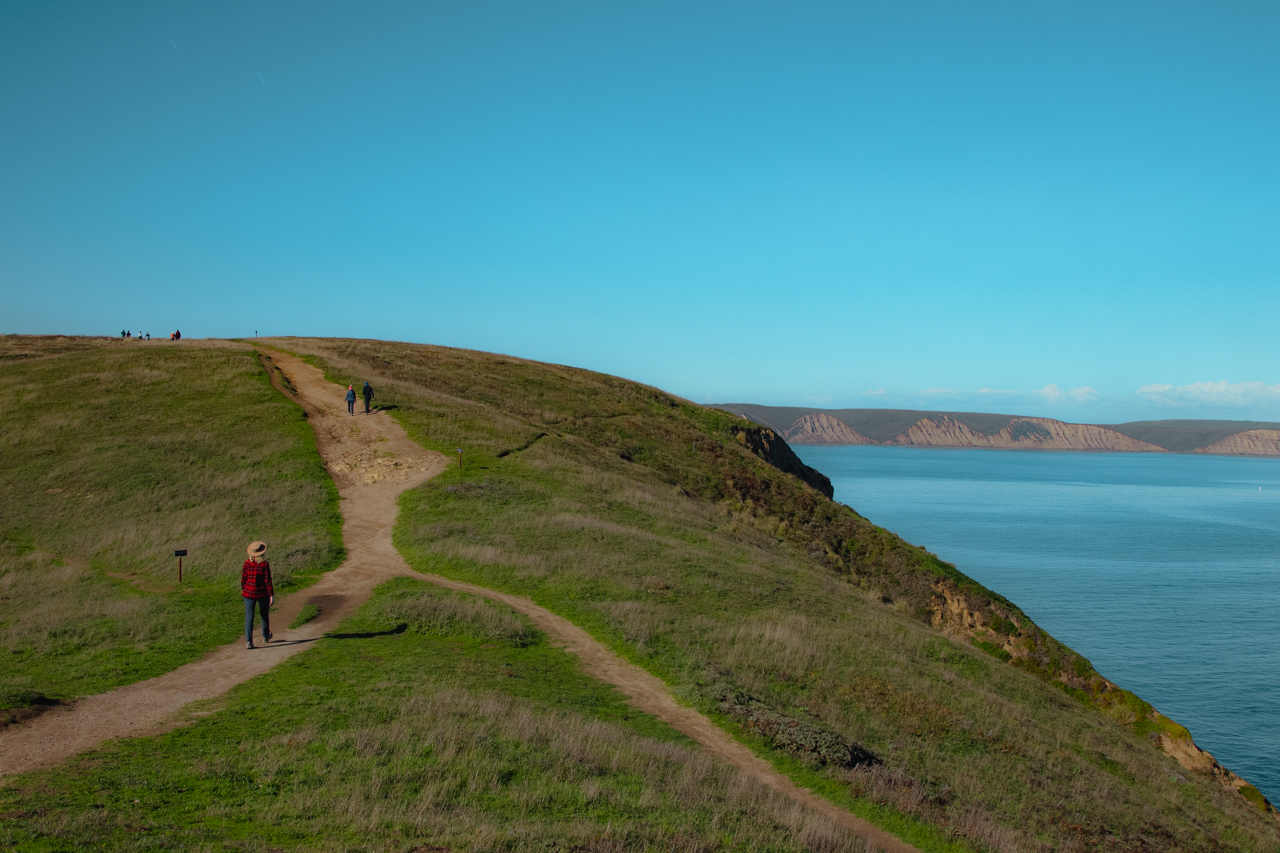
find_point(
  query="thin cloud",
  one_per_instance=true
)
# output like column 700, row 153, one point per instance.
column 1083, row 394
column 1053, row 394
column 1234, row 395
column 820, row 399
column 942, row 392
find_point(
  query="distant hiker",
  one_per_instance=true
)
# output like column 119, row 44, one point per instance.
column 351, row 399
column 148, row 336
column 177, row 336
column 122, row 334
column 255, row 588
column 368, row 395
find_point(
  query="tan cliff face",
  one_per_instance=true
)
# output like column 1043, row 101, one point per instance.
column 1254, row 442
column 1021, row 433
column 918, row 428
column 821, row 428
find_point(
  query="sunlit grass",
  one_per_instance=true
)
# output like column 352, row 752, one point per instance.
column 461, row 728
column 112, row 456
column 614, row 520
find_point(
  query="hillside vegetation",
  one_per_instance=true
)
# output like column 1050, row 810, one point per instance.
column 433, row 722
column 114, row 454
column 865, row 666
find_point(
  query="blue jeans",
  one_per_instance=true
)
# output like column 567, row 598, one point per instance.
column 263, row 608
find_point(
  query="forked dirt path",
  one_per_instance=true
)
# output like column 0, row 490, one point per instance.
column 372, row 461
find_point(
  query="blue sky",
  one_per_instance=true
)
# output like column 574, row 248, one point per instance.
column 1068, row 209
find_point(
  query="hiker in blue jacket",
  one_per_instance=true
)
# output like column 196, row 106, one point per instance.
column 368, row 395
column 351, row 399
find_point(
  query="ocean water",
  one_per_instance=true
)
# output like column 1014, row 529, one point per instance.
column 1162, row 569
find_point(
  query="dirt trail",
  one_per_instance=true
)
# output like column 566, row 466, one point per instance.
column 372, row 461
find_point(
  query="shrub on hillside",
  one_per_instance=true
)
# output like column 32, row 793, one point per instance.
column 799, row 737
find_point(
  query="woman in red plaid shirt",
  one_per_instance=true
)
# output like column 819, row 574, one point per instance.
column 255, row 587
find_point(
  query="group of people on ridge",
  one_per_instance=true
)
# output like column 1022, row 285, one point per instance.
column 366, row 392
column 125, row 333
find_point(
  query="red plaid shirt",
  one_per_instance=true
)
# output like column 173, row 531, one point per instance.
column 255, row 579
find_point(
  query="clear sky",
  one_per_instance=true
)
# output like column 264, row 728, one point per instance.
column 1069, row 209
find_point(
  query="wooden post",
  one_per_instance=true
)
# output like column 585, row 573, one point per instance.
column 180, row 555
column 459, row 458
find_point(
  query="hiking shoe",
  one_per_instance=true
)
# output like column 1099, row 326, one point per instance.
column 266, row 638
column 249, row 646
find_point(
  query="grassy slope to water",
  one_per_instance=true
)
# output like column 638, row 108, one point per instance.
column 587, row 493
column 432, row 722
column 114, row 454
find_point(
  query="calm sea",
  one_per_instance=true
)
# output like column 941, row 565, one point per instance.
column 1162, row 569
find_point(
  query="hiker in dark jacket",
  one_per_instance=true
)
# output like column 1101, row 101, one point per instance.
column 255, row 588
column 351, row 399
column 368, row 395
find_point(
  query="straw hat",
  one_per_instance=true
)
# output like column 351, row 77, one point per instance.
column 257, row 549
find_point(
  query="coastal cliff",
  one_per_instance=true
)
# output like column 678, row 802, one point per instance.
column 1022, row 433
column 912, row 428
column 821, row 428
column 971, row 614
column 1254, row 442
column 770, row 447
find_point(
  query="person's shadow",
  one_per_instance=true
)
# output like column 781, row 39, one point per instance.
column 368, row 635
column 363, row 635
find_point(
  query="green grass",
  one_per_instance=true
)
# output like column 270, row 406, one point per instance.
column 112, row 456
column 430, row 718
column 712, row 570
column 305, row 615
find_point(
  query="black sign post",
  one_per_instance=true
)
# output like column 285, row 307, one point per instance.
column 180, row 555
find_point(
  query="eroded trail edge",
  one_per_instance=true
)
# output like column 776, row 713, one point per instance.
column 372, row 461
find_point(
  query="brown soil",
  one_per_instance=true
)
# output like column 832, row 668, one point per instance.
column 372, row 461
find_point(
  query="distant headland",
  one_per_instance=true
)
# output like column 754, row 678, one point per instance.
column 914, row 428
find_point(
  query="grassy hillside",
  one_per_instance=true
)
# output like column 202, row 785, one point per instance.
column 806, row 629
column 433, row 722
column 113, row 454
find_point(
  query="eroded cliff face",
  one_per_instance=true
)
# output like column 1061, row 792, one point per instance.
column 771, row 447
column 821, row 428
column 1010, row 636
column 1254, row 442
column 1021, row 433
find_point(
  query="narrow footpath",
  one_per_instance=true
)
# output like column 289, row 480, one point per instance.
column 372, row 461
